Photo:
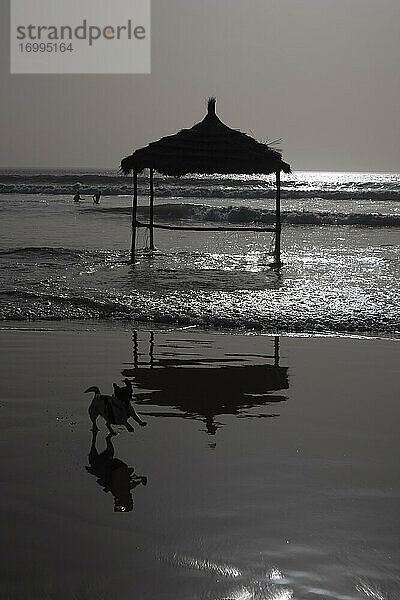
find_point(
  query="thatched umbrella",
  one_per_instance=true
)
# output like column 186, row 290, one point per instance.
column 209, row 147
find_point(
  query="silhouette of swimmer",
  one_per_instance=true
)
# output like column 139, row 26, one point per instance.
column 96, row 197
column 113, row 475
column 77, row 197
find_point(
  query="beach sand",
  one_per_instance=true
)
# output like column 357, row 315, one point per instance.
column 286, row 486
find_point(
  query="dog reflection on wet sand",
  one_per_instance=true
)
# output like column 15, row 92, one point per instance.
column 113, row 475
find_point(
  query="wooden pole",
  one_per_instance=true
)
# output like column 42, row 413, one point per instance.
column 151, row 209
column 204, row 228
column 135, row 350
column 134, row 211
column 278, row 220
column 151, row 349
column 276, row 351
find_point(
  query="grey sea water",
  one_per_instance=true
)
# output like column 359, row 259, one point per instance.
column 341, row 231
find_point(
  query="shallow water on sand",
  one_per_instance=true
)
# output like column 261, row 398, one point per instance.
column 272, row 466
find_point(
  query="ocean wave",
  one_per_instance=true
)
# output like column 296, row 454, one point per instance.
column 59, row 253
column 38, row 251
column 245, row 215
column 268, row 193
column 26, row 305
column 77, row 306
column 195, row 188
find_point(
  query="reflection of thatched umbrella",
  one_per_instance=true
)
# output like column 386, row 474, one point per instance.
column 209, row 147
column 208, row 392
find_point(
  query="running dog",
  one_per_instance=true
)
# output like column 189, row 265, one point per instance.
column 125, row 394
column 115, row 409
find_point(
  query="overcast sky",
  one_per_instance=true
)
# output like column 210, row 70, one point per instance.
column 323, row 75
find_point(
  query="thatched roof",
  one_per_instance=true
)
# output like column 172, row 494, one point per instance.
column 208, row 147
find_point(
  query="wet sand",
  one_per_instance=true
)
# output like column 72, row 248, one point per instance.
column 272, row 468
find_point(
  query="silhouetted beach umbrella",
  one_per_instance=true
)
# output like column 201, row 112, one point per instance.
column 209, row 147
column 206, row 148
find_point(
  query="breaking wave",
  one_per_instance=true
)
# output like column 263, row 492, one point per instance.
column 375, row 187
column 244, row 215
column 39, row 251
column 43, row 254
column 196, row 191
column 25, row 305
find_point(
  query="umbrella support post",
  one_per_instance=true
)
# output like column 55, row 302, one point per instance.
column 276, row 351
column 151, row 225
column 278, row 221
column 134, row 211
column 205, row 228
column 151, row 209
column 135, row 349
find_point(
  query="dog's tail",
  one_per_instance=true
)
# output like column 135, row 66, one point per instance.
column 94, row 389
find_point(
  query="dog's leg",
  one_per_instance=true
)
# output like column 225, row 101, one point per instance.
column 129, row 427
column 110, row 429
column 93, row 454
column 110, row 447
column 135, row 416
column 137, row 480
column 93, row 414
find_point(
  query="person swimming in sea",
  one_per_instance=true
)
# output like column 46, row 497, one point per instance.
column 96, row 197
column 77, row 197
